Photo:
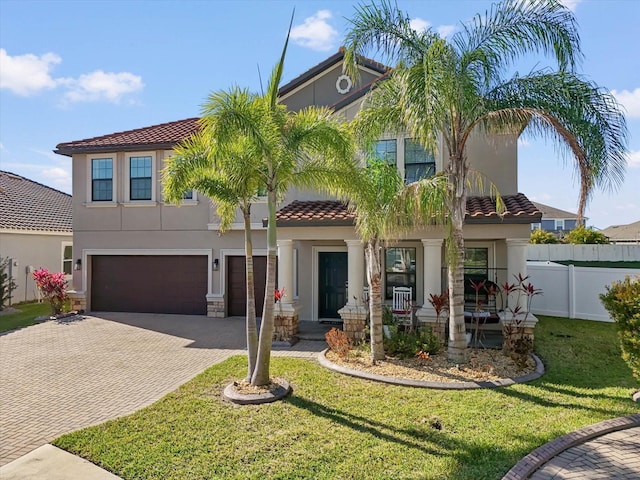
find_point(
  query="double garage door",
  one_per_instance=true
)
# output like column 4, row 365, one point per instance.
column 150, row 283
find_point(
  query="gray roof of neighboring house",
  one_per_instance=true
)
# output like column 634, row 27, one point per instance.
column 29, row 205
column 630, row 231
column 552, row 212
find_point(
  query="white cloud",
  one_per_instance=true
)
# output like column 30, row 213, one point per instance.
column 27, row 74
column 99, row 85
column 630, row 100
column 315, row 32
column 633, row 159
column 58, row 178
column 541, row 197
column 571, row 4
column 30, row 74
column 446, row 30
column 418, row 24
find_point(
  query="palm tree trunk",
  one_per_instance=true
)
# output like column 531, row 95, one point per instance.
column 457, row 351
column 252, row 331
column 372, row 255
column 261, row 373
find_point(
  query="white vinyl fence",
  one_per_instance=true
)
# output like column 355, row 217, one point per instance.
column 573, row 292
column 597, row 253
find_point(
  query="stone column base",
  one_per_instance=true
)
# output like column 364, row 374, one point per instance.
column 78, row 300
column 354, row 321
column 285, row 322
column 215, row 306
column 517, row 333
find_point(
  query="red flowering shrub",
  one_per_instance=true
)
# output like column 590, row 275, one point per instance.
column 53, row 287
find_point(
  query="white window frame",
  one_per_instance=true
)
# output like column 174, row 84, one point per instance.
column 127, row 175
column 114, row 179
column 559, row 224
column 535, row 226
column 64, row 245
column 185, row 201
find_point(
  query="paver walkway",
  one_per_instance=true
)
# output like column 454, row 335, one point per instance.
column 612, row 456
column 57, row 377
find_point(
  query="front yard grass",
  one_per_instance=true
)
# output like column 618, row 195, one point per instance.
column 25, row 317
column 338, row 427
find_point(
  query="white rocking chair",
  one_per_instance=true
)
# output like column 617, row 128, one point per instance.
column 402, row 307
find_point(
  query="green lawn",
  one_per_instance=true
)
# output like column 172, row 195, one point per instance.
column 25, row 317
column 338, row 427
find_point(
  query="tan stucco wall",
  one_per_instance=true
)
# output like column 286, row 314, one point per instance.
column 35, row 250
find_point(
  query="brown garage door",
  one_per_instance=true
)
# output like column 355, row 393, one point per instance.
column 237, row 284
column 149, row 283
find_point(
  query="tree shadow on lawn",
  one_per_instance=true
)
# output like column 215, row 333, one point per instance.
column 473, row 460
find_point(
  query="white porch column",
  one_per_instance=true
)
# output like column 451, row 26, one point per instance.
column 355, row 277
column 432, row 278
column 517, row 262
column 354, row 313
column 285, row 269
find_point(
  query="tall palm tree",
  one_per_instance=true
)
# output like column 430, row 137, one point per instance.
column 455, row 87
column 385, row 209
column 307, row 149
column 232, row 178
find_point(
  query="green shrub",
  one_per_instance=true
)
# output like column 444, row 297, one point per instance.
column 539, row 236
column 7, row 285
column 622, row 301
column 582, row 235
column 406, row 344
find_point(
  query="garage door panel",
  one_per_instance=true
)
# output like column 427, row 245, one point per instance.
column 150, row 283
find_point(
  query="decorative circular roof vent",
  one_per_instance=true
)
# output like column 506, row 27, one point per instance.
column 343, row 84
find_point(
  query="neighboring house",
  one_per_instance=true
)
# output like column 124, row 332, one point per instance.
column 623, row 234
column 555, row 220
column 35, row 231
column 140, row 254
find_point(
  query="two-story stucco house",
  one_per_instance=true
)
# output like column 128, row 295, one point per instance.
column 140, row 254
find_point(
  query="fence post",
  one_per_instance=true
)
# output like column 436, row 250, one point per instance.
column 572, row 291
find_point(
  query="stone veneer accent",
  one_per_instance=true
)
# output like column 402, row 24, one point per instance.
column 78, row 300
column 354, row 321
column 215, row 308
column 285, row 325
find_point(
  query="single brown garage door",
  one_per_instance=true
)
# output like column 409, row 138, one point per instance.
column 149, row 283
column 237, row 284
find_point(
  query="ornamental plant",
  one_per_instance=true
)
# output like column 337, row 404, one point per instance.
column 539, row 236
column 7, row 285
column 583, row 235
column 53, row 287
column 622, row 301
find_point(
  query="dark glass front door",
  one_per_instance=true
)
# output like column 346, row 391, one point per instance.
column 332, row 282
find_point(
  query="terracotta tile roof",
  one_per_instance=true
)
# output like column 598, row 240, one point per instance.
column 29, row 205
column 334, row 213
column 162, row 136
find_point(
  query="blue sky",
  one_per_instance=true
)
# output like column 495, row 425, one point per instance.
column 76, row 69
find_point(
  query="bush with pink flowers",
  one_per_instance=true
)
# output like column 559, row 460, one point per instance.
column 53, row 287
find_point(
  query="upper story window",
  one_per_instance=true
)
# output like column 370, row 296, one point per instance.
column 140, row 178
column 418, row 163
column 102, row 179
column 387, row 150
column 187, row 195
column 67, row 258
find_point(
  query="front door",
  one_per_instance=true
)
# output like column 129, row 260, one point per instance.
column 332, row 283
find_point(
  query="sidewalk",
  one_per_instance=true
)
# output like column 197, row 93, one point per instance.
column 609, row 449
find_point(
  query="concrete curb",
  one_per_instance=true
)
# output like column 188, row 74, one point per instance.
column 541, row 455
column 325, row 362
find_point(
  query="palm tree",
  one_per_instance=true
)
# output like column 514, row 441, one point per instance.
column 451, row 88
column 230, row 176
column 307, row 149
column 385, row 208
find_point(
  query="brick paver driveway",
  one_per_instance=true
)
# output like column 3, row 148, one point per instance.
column 56, row 377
